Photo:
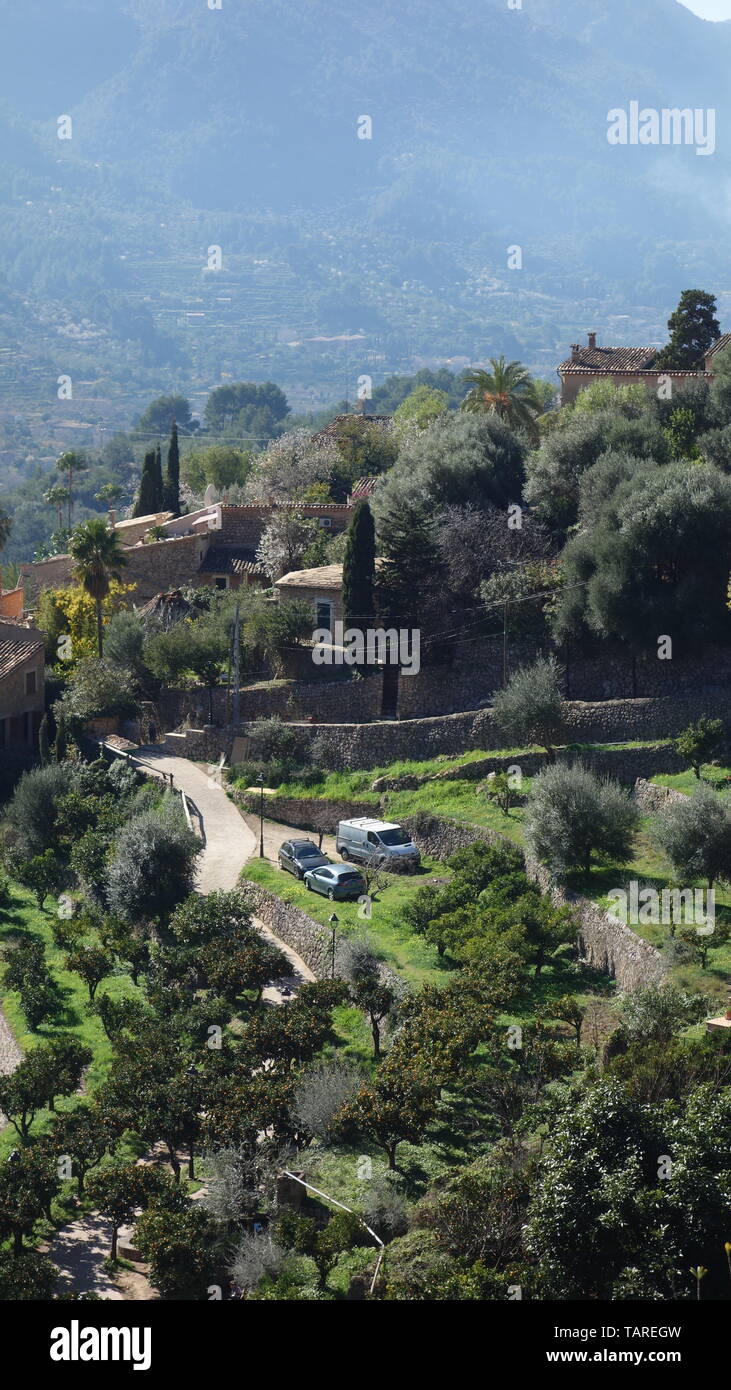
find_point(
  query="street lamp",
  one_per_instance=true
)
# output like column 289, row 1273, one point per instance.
column 333, row 927
column 260, row 780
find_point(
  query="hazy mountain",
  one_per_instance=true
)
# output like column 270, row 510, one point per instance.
column 238, row 127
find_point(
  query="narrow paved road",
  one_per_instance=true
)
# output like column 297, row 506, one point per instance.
column 228, row 842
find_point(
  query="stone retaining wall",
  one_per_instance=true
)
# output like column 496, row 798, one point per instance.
column 652, row 798
column 304, row 813
column 310, row 939
column 324, row 701
column 607, row 944
column 342, row 747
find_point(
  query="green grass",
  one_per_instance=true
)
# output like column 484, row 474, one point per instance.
column 687, row 782
column 417, row 960
column 357, row 785
column 22, row 918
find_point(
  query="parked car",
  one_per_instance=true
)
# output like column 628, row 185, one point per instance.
column 376, row 841
column 297, row 856
column 335, row 881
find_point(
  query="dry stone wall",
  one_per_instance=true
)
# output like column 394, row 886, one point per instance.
column 311, row 941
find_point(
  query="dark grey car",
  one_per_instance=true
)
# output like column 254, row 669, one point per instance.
column 297, row 856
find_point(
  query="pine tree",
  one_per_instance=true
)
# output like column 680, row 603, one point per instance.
column 147, row 497
column 412, row 575
column 172, row 479
column 359, row 564
column 693, row 328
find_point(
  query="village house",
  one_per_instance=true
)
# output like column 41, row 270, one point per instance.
column 22, row 687
column 625, row 366
column 214, row 546
column 321, row 587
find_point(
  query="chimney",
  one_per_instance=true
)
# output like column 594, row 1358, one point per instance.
column 575, row 350
column 592, row 341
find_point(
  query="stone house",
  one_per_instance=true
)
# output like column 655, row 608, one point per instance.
column 322, row 587
column 625, row 366
column 214, row 546
column 22, row 684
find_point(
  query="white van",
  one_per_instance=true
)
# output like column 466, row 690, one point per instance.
column 364, row 840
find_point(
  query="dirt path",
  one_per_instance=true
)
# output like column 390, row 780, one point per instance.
column 79, row 1251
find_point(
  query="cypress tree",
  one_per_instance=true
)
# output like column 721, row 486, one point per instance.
column 159, row 487
column 172, row 479
column 43, row 748
column 147, row 498
column 61, row 745
column 359, row 567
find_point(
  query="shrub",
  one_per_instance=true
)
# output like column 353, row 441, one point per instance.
column 572, row 815
column 31, row 815
column 152, row 866
column 530, row 709
column 699, row 742
column 695, row 834
column 275, row 740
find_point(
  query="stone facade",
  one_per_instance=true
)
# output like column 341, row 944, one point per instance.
column 22, row 685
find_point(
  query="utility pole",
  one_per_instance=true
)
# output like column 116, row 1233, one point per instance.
column 505, row 644
column 260, row 780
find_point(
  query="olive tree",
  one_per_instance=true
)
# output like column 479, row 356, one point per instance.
column 695, row 834
column 530, row 708
column 572, row 815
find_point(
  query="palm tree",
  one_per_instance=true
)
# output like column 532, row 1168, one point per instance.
column 70, row 464
column 109, row 493
column 508, row 391
column 55, row 497
column 97, row 555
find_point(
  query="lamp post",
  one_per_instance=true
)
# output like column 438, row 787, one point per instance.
column 260, row 780
column 333, row 928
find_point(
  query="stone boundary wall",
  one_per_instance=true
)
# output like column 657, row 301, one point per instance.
column 652, row 798
column 324, row 701
column 306, row 814
column 311, row 940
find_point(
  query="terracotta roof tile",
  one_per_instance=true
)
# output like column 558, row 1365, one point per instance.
column 611, row 359
column 14, row 651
